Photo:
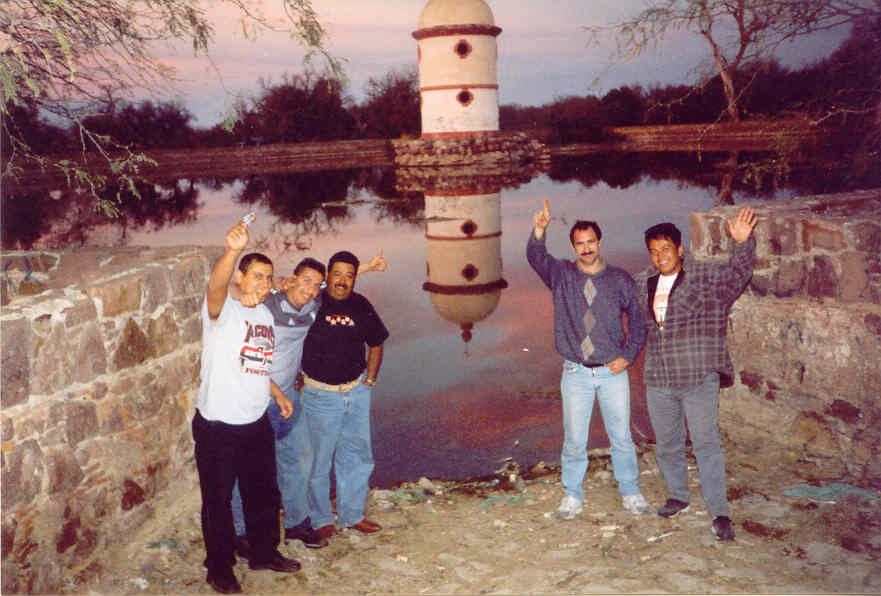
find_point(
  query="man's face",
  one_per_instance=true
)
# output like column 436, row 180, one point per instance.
column 258, row 279
column 304, row 287
column 665, row 256
column 587, row 248
column 341, row 280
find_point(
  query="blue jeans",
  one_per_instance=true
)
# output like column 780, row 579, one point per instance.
column 579, row 385
column 293, row 460
column 339, row 430
column 668, row 409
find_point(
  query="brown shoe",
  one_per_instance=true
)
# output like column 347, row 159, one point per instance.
column 327, row 531
column 366, row 526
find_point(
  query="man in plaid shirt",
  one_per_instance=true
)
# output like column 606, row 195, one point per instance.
column 687, row 360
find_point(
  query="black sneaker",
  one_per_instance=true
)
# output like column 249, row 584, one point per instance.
column 278, row 562
column 304, row 532
column 723, row 529
column 224, row 581
column 243, row 548
column 672, row 508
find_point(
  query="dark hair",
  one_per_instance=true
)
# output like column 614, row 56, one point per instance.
column 310, row 263
column 664, row 230
column 344, row 256
column 582, row 224
column 253, row 257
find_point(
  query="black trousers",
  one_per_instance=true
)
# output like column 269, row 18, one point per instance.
column 225, row 452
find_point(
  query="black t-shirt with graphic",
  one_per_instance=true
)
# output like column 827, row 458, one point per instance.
column 334, row 350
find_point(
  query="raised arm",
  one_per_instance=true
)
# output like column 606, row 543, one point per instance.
column 377, row 263
column 221, row 274
column 541, row 220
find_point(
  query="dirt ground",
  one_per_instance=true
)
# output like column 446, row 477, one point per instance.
column 497, row 535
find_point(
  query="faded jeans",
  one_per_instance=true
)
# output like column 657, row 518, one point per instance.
column 668, row 410
column 339, row 430
column 579, row 386
column 293, row 459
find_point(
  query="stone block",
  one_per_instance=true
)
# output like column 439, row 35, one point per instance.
column 822, row 236
column 132, row 494
column 15, row 378
column 843, row 410
column 156, row 286
column 163, row 334
column 67, row 537
column 782, row 237
column 867, row 237
column 789, row 278
column 77, row 419
column 63, row 470
column 873, row 323
column 854, row 277
column 82, row 311
column 822, row 280
column 9, row 526
column 8, row 430
column 190, row 276
column 30, row 262
column 22, row 474
column 117, row 296
column 134, row 347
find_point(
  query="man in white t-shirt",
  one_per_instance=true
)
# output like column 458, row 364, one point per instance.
column 232, row 433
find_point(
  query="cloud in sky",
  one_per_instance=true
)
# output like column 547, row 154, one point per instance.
column 543, row 51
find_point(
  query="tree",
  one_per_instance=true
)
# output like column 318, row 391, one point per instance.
column 738, row 32
column 392, row 107
column 71, row 58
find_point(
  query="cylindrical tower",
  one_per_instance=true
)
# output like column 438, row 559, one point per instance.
column 464, row 260
column 458, row 84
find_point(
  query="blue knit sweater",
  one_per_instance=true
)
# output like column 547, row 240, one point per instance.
column 612, row 291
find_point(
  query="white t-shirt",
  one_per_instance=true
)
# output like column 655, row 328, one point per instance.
column 662, row 296
column 237, row 353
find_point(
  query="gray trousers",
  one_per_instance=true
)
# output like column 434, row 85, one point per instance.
column 668, row 409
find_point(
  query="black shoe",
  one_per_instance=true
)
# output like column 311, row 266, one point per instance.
column 304, row 532
column 672, row 508
column 278, row 562
column 243, row 548
column 722, row 529
column 224, row 582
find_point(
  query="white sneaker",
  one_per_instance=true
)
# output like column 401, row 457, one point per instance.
column 637, row 505
column 569, row 508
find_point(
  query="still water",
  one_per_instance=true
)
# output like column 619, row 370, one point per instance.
column 470, row 374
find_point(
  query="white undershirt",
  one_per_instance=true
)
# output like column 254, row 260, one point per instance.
column 662, row 296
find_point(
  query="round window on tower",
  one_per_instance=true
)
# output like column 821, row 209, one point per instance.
column 469, row 272
column 462, row 48
column 469, row 227
column 465, row 97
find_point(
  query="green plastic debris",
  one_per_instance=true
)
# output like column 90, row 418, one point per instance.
column 167, row 543
column 828, row 493
column 490, row 501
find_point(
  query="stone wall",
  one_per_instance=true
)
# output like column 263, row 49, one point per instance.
column 101, row 355
column 805, row 337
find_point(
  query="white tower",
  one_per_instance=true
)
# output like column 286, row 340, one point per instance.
column 464, row 254
column 458, row 84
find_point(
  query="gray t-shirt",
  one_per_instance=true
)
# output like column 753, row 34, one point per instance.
column 291, row 326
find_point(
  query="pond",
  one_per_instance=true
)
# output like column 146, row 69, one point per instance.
column 470, row 375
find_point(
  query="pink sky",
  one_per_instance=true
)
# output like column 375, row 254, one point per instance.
column 543, row 51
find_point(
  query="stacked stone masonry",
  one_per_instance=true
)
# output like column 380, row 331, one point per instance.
column 101, row 353
column 805, row 336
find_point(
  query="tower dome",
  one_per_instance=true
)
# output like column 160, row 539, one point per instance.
column 439, row 13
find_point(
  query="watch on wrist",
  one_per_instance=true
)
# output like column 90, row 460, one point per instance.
column 370, row 382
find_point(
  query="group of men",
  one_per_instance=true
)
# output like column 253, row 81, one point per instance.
column 260, row 442
column 286, row 385
column 680, row 314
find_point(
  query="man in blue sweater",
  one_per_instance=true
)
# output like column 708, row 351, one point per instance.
column 589, row 297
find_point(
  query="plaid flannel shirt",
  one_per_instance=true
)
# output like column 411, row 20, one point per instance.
column 694, row 340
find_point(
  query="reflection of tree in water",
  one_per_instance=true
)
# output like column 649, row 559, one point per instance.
column 306, row 204
column 58, row 219
column 725, row 174
column 395, row 204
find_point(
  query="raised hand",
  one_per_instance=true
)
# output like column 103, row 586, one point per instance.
column 377, row 263
column 237, row 237
column 541, row 219
column 741, row 225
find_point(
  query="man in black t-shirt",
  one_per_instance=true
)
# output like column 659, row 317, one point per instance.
column 338, row 386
